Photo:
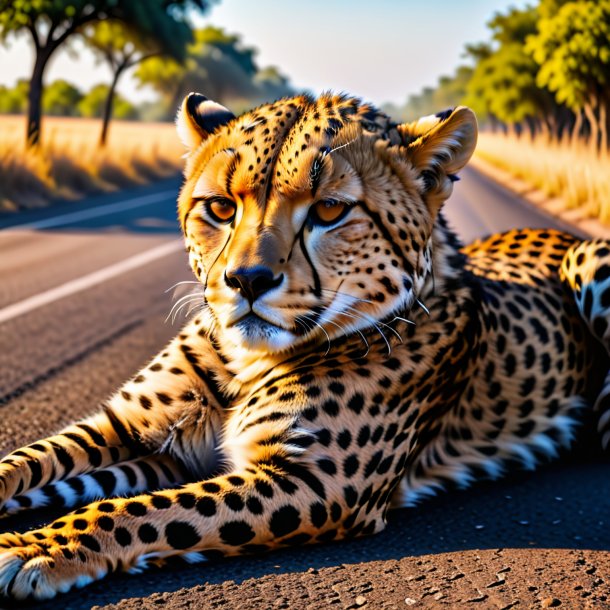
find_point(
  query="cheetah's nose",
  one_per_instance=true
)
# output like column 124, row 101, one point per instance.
column 252, row 282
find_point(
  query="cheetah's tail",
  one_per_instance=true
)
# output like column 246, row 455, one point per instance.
column 586, row 270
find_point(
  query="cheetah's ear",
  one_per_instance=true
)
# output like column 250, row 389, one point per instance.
column 198, row 117
column 439, row 146
column 443, row 141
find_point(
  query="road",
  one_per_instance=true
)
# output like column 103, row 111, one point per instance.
column 83, row 302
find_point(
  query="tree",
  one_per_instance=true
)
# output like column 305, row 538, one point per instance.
column 451, row 90
column 49, row 23
column 122, row 48
column 93, row 103
column 572, row 48
column 218, row 65
column 61, row 98
column 272, row 83
column 503, row 84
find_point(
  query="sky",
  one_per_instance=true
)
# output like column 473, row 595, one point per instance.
column 381, row 50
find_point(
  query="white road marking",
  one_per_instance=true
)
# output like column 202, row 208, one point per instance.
column 101, row 210
column 88, row 281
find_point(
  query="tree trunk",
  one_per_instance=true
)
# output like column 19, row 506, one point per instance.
column 35, row 97
column 603, row 125
column 107, row 114
column 576, row 129
column 549, row 127
column 593, row 127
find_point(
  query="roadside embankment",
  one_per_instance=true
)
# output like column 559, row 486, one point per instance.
column 570, row 183
column 69, row 164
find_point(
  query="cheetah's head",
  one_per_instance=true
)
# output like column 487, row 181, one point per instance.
column 307, row 219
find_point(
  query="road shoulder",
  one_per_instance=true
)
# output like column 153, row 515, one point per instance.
column 538, row 199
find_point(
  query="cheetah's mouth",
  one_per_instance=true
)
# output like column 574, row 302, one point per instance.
column 254, row 326
column 253, row 332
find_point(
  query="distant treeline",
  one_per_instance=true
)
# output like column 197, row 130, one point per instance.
column 546, row 71
column 216, row 64
column 62, row 98
column 155, row 37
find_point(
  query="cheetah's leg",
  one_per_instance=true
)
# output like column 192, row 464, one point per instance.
column 128, row 478
column 254, row 509
column 586, row 270
column 135, row 422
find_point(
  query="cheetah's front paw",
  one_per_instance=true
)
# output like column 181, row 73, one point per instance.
column 34, row 566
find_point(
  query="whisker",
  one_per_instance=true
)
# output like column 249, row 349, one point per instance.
column 190, row 295
column 422, row 306
column 374, row 321
column 342, row 146
column 323, row 330
column 404, row 320
column 180, row 283
column 344, row 329
column 346, row 294
column 177, row 311
column 181, row 303
column 370, row 321
column 370, row 302
column 195, row 307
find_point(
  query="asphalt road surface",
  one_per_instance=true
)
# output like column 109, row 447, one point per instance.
column 83, row 304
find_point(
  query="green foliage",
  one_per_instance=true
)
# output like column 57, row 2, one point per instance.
column 229, row 45
column 61, row 98
column 51, row 22
column 449, row 92
column 540, row 63
column 503, row 82
column 117, row 43
column 163, row 20
column 14, row 100
column 272, row 83
column 572, row 47
column 218, row 66
column 92, row 104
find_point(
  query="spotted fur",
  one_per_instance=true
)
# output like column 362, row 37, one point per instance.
column 333, row 368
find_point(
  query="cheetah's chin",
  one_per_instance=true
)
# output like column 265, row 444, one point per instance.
column 256, row 334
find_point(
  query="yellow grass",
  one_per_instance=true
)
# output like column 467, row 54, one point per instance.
column 69, row 164
column 574, row 174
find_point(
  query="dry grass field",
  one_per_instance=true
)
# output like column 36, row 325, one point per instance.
column 69, row 164
column 574, row 174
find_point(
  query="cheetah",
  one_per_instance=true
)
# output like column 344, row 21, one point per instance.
column 347, row 355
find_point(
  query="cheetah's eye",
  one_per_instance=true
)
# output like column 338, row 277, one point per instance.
column 221, row 210
column 328, row 211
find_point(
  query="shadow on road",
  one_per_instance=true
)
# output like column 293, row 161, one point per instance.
column 148, row 209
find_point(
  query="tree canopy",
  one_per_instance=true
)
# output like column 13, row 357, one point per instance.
column 50, row 23
column 572, row 49
column 218, row 65
column 542, row 67
column 121, row 47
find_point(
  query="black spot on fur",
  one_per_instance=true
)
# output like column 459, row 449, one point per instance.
column 161, row 502
column 137, row 509
column 284, row 521
column 147, row 533
column 89, row 542
column 206, row 506
column 122, row 536
column 236, row 533
column 181, row 535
